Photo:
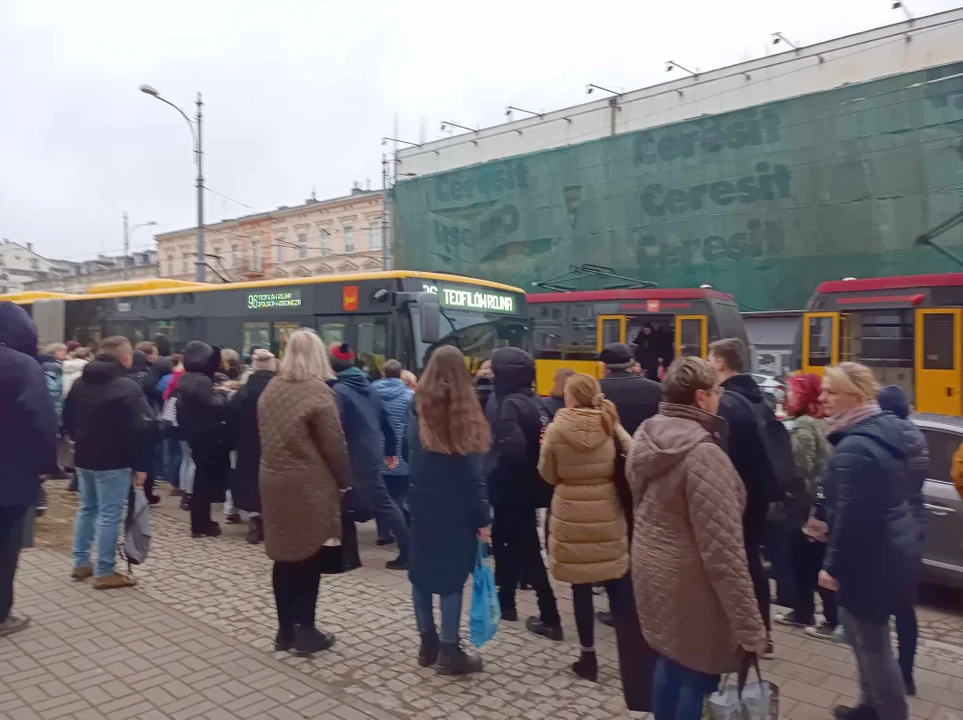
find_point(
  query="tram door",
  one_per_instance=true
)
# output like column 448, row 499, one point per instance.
column 820, row 341
column 691, row 335
column 611, row 329
column 939, row 369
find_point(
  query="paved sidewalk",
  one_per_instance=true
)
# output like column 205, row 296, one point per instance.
column 195, row 639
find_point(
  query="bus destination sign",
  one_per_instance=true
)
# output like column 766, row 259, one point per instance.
column 271, row 300
column 480, row 300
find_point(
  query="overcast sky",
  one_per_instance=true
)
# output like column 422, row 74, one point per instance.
column 298, row 93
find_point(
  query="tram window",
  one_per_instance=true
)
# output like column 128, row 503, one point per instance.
column 256, row 335
column 548, row 341
column 372, row 342
column 885, row 338
column 583, row 333
column 938, row 342
column 820, row 341
column 333, row 330
column 942, row 446
column 283, row 333
column 611, row 331
column 690, row 338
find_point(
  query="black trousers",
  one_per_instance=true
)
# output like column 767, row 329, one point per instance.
column 11, row 540
column 636, row 657
column 760, row 581
column 518, row 554
column 296, row 593
column 807, row 562
column 200, row 508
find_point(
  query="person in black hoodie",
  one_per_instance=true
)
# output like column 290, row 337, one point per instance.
column 516, row 489
column 28, row 445
column 371, row 440
column 107, row 416
column 244, row 478
column 139, row 372
column 635, row 397
column 747, row 450
column 205, row 422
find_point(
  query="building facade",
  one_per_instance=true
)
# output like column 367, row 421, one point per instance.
column 761, row 179
column 319, row 237
column 77, row 277
column 20, row 265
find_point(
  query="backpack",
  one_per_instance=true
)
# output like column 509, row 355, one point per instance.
column 775, row 440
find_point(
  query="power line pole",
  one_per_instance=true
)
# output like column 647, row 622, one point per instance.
column 126, row 243
column 384, row 211
column 201, row 264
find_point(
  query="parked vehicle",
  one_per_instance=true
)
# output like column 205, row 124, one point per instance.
column 771, row 386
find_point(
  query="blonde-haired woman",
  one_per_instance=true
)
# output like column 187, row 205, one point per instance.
column 692, row 586
column 303, row 471
column 589, row 533
column 873, row 550
column 447, row 437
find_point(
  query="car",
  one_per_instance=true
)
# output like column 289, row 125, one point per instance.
column 771, row 386
column 943, row 549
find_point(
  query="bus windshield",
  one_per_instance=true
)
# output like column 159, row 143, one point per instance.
column 476, row 334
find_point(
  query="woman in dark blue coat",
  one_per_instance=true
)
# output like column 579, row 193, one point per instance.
column 446, row 440
column 873, row 552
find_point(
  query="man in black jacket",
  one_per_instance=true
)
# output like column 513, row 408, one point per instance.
column 635, row 397
column 28, row 445
column 107, row 416
column 747, row 450
column 516, row 490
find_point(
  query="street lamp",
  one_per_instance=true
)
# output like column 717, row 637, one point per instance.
column 195, row 126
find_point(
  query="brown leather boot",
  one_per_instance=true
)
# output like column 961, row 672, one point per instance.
column 117, row 580
column 82, row 573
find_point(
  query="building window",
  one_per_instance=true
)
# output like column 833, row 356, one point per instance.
column 302, row 245
column 280, row 244
column 3, row 261
column 256, row 253
column 374, row 241
column 349, row 239
column 234, row 255
column 325, row 242
column 34, row 264
column 170, row 265
column 184, row 266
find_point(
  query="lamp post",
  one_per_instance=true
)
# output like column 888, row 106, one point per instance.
column 195, row 126
column 128, row 231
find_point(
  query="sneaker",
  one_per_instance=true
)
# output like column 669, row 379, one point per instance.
column 823, row 631
column 186, row 501
column 82, row 573
column 381, row 542
column 453, row 660
column 770, row 652
column 116, row 580
column 553, row 632
column 13, row 623
column 309, row 640
column 860, row 712
column 214, row 530
column 606, row 618
column 428, row 652
column 233, row 519
column 791, row 619
column 839, row 636
column 587, row 666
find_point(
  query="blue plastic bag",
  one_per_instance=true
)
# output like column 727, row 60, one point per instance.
column 486, row 613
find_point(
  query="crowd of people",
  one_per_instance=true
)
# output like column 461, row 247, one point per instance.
column 667, row 494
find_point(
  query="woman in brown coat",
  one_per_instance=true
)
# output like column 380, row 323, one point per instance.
column 303, row 471
column 589, row 536
column 692, row 585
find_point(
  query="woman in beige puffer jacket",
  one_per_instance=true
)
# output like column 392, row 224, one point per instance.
column 588, row 534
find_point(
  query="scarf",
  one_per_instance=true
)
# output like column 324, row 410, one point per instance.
column 850, row 417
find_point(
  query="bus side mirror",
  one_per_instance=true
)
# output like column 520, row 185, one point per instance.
column 430, row 312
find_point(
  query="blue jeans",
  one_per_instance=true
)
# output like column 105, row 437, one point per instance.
column 373, row 497
column 172, row 452
column 678, row 692
column 880, row 680
column 102, row 497
column 398, row 490
column 450, row 614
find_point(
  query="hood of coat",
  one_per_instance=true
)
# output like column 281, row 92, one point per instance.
column 390, row 388
column 202, row 358
column 514, row 371
column 103, row 369
column 664, row 440
column 745, row 386
column 140, row 362
column 581, row 428
column 882, row 428
column 354, row 378
column 17, row 330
